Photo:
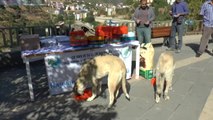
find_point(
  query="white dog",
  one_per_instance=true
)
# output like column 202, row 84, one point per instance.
column 164, row 74
column 95, row 69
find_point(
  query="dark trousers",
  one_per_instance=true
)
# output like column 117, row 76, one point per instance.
column 207, row 32
column 177, row 28
column 144, row 34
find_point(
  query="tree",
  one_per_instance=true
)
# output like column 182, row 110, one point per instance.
column 132, row 4
column 90, row 17
column 194, row 7
column 161, row 8
column 70, row 19
column 129, row 2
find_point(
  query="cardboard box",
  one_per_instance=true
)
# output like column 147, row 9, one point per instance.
column 30, row 42
column 147, row 74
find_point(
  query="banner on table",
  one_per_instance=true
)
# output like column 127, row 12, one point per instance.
column 62, row 69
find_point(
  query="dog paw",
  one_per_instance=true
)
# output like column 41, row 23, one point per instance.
column 91, row 98
column 167, row 98
column 157, row 99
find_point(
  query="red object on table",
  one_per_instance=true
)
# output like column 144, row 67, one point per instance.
column 153, row 81
column 83, row 97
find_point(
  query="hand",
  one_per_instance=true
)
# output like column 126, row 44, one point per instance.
column 147, row 22
column 170, row 12
column 176, row 15
column 138, row 21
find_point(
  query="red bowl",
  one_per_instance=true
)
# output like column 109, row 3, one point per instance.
column 83, row 97
column 153, row 81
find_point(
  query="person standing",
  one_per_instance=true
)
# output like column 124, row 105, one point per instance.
column 143, row 17
column 207, row 13
column 178, row 11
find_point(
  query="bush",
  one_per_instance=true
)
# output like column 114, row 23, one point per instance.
column 161, row 9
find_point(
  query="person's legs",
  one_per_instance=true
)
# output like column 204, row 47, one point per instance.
column 147, row 35
column 172, row 36
column 139, row 34
column 204, row 40
column 180, row 30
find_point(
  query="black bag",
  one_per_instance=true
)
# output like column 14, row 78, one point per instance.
column 180, row 19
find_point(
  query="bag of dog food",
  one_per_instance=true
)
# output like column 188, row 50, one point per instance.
column 146, row 56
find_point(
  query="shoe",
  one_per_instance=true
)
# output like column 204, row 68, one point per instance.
column 198, row 55
column 178, row 51
column 170, row 49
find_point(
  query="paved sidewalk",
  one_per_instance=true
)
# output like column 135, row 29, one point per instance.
column 190, row 99
column 206, row 114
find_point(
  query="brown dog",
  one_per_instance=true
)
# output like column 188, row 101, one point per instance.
column 95, row 69
column 164, row 74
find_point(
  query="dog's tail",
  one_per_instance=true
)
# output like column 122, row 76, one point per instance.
column 124, row 86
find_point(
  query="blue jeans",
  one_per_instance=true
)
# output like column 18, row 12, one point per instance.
column 177, row 28
column 143, row 34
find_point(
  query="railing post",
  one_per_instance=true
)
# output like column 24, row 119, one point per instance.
column 4, row 38
column 29, row 30
column 11, row 37
column 17, row 36
column 49, row 31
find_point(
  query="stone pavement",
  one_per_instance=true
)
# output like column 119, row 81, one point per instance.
column 190, row 99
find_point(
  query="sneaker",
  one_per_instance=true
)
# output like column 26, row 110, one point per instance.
column 198, row 54
column 170, row 49
column 178, row 51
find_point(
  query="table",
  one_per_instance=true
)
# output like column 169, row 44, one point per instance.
column 39, row 54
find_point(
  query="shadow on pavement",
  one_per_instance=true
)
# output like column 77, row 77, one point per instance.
column 193, row 46
column 15, row 103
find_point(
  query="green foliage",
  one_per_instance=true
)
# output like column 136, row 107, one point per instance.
column 194, row 7
column 122, row 11
column 159, row 3
column 2, row 7
column 70, row 18
column 161, row 9
column 102, row 12
column 59, row 17
column 132, row 4
column 90, row 17
column 16, row 16
column 128, row 2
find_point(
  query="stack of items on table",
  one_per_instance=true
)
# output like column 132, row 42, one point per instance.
column 96, row 41
column 146, row 60
column 54, row 41
column 78, row 38
column 103, row 35
column 128, row 37
column 121, row 34
column 112, row 34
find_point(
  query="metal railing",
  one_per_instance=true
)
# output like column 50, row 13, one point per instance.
column 190, row 27
column 9, row 36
